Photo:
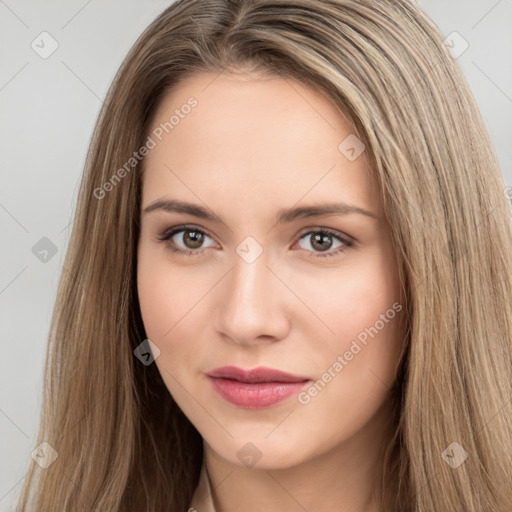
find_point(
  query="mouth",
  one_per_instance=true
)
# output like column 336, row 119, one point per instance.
column 255, row 388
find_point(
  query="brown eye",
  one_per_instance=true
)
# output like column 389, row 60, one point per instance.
column 322, row 240
column 193, row 239
column 187, row 240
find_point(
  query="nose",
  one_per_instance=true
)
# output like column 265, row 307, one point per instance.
column 252, row 304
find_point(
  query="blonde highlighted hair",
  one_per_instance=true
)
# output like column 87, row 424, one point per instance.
column 122, row 442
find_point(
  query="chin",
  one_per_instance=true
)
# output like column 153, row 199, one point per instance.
column 260, row 453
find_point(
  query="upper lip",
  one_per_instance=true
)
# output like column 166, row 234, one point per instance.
column 259, row 374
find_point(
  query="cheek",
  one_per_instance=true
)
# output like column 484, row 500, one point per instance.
column 355, row 301
column 164, row 296
column 170, row 304
column 357, row 361
column 357, row 366
column 161, row 309
column 155, row 306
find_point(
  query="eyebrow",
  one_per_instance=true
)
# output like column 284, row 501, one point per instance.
column 283, row 216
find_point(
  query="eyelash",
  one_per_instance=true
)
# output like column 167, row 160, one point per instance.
column 167, row 235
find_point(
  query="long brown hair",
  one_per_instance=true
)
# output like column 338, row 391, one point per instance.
column 122, row 442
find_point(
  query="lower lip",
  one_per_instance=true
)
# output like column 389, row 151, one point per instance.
column 255, row 395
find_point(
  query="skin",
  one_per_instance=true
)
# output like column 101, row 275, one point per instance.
column 252, row 146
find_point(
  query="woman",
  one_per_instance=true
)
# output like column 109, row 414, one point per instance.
column 287, row 285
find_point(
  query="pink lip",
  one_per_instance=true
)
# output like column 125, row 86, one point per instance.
column 257, row 388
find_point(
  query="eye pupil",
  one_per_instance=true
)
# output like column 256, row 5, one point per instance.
column 320, row 238
column 195, row 240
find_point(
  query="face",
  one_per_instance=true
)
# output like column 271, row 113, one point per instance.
column 257, row 275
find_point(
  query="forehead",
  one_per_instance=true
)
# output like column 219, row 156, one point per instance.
column 263, row 136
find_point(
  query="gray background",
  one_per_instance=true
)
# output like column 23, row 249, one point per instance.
column 47, row 110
